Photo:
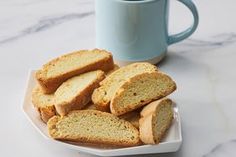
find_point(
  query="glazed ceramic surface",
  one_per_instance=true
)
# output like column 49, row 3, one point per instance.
column 137, row 30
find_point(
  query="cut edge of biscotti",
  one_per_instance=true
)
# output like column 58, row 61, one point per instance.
column 102, row 96
column 76, row 92
column 92, row 126
column 44, row 103
column 58, row 70
column 132, row 117
column 156, row 119
column 140, row 90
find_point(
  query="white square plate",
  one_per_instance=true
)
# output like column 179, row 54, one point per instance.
column 170, row 143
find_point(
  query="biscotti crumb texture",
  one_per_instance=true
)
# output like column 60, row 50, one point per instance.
column 140, row 90
column 76, row 92
column 156, row 120
column 91, row 126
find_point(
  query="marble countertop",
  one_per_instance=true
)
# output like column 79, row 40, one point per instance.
column 34, row 31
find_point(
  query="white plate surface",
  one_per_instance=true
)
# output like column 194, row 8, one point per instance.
column 170, row 143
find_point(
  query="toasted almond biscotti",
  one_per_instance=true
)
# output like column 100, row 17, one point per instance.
column 140, row 90
column 156, row 120
column 55, row 72
column 102, row 96
column 76, row 92
column 91, row 126
column 44, row 103
column 132, row 117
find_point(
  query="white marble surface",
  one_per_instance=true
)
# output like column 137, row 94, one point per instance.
column 34, row 31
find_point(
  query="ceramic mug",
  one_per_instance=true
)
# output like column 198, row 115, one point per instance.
column 137, row 30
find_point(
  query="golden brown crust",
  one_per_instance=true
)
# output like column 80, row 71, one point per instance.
column 51, row 124
column 104, row 108
column 54, row 131
column 80, row 100
column 50, row 84
column 151, row 107
column 148, row 122
column 146, row 129
column 45, row 109
column 117, row 110
column 100, row 103
column 47, row 112
column 149, row 68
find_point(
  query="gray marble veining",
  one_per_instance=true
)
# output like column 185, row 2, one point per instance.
column 209, row 43
column 226, row 149
column 34, row 31
column 44, row 24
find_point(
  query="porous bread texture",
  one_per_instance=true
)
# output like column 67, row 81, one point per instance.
column 91, row 126
column 44, row 103
column 140, row 90
column 58, row 70
column 102, row 96
column 132, row 117
column 156, row 120
column 76, row 92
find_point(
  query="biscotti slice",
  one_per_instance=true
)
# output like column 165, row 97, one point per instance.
column 132, row 117
column 76, row 92
column 55, row 72
column 91, row 126
column 44, row 103
column 156, row 120
column 102, row 96
column 140, row 90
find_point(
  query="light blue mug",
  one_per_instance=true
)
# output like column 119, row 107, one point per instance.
column 137, row 30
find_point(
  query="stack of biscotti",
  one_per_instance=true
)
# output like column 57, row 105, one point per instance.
column 132, row 87
column 103, row 95
column 67, row 82
column 58, row 70
column 84, row 97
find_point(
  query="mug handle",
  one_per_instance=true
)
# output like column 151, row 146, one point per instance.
column 181, row 36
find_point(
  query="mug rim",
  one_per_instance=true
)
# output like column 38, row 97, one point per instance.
column 135, row 2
